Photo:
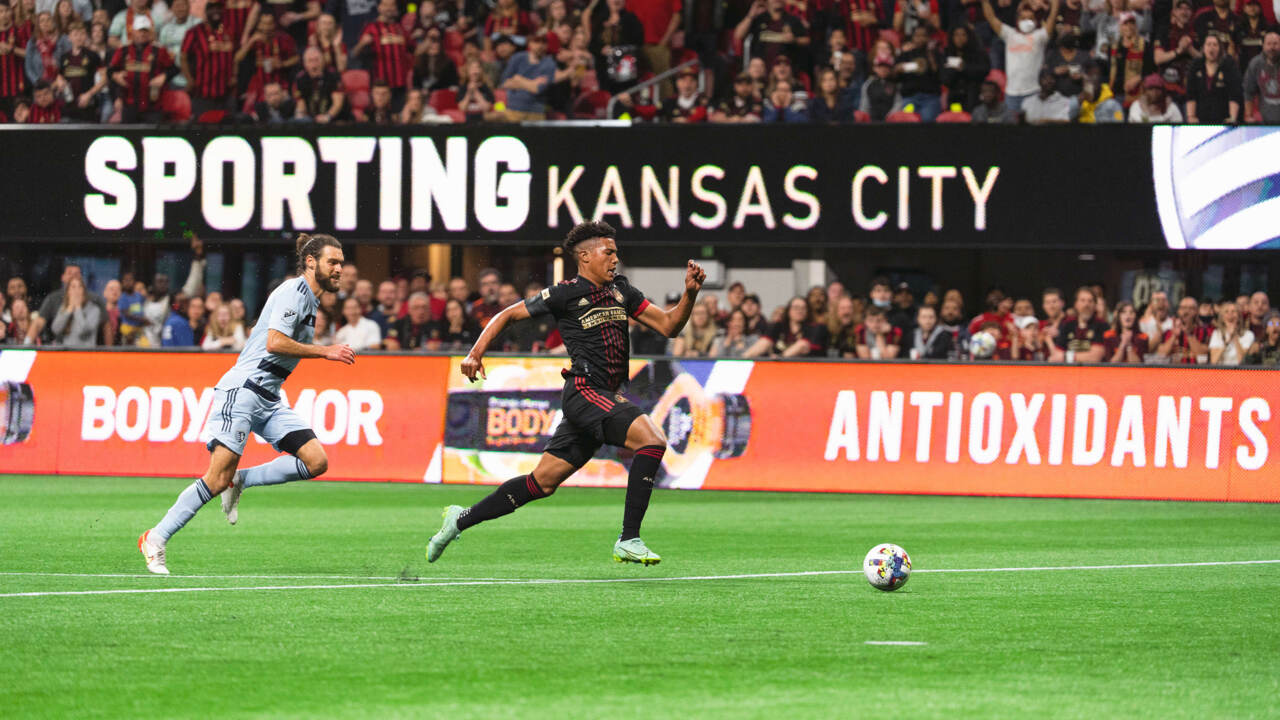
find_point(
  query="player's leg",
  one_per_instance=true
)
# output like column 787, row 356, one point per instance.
column 305, row 457
column 222, row 468
column 568, row 450
column 646, row 440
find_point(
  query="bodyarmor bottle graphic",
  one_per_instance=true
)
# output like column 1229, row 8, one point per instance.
column 498, row 429
column 18, row 407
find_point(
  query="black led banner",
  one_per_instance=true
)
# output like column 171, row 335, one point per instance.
column 861, row 185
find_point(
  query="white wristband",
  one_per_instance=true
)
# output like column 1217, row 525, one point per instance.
column 1071, row 356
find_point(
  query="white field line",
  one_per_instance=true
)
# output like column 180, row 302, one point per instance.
column 894, row 642
column 228, row 577
column 599, row 581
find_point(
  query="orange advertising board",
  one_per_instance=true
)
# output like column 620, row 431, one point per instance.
column 115, row 413
column 964, row 429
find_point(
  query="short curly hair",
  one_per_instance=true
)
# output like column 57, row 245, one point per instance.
column 589, row 230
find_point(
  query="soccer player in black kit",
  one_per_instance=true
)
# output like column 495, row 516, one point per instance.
column 592, row 311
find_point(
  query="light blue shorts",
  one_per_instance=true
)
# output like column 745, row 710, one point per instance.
column 240, row 411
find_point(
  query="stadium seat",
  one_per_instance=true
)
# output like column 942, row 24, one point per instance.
column 455, row 114
column 893, row 37
column 355, row 81
column 176, row 105
column 997, row 77
column 444, row 99
column 453, row 42
column 954, row 117
column 592, row 105
column 359, row 101
column 861, row 117
column 212, row 117
column 903, row 117
column 499, row 96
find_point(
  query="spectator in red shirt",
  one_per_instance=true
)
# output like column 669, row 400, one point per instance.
column 773, row 31
column 1187, row 341
column 877, row 339
column 392, row 63
column 208, row 51
column 1080, row 338
column 861, row 21
column 689, row 105
column 13, row 52
column 43, row 109
column 487, row 306
column 795, row 335
column 1125, row 342
column 140, row 71
column 328, row 40
column 275, row 57
column 993, row 313
column 1029, row 343
column 236, row 17
column 661, row 20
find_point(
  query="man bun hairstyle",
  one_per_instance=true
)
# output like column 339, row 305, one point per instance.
column 589, row 230
column 312, row 246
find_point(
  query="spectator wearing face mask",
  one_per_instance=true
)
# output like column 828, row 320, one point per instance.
column 1024, row 49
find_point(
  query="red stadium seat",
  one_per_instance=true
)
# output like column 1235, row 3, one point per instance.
column 861, row 117
column 212, row 117
column 592, row 105
column 453, row 42
column 997, row 77
column 442, row 100
column 954, row 117
column 359, row 101
column 892, row 36
column 903, row 117
column 455, row 114
column 499, row 96
column 176, row 105
column 355, row 81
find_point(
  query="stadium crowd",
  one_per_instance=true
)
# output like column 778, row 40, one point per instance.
column 415, row 313
column 793, row 61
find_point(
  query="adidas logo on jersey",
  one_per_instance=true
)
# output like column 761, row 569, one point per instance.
column 582, row 302
column 289, row 313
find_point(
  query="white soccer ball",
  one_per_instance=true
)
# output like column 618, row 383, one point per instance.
column 887, row 567
column 982, row 345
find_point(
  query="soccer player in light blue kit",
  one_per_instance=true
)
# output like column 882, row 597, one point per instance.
column 247, row 399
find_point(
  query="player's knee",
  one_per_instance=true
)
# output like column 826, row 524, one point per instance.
column 547, row 487
column 317, row 465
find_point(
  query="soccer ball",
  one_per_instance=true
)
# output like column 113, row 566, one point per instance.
column 887, row 567
column 982, row 345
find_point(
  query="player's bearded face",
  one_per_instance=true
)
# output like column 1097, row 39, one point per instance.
column 328, row 269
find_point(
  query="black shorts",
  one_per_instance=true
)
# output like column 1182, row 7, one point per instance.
column 592, row 417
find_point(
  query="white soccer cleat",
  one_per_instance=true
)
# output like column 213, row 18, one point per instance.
column 153, row 553
column 231, row 498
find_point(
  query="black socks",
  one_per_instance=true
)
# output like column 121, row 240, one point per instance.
column 510, row 495
column 644, row 468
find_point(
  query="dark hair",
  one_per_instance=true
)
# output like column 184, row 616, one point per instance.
column 1051, row 291
column 585, row 231
column 1115, row 325
column 875, row 311
column 312, row 246
column 881, row 280
column 487, row 272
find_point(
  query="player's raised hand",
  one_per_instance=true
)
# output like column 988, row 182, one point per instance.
column 694, row 276
column 472, row 366
column 340, row 353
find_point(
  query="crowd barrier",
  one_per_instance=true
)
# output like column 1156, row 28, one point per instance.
column 981, row 429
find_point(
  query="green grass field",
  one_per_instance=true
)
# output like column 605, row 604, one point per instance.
column 320, row 603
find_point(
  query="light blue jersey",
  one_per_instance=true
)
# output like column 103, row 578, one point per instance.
column 247, row 398
column 291, row 310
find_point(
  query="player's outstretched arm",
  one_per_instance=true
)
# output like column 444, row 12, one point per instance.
column 671, row 322
column 281, row 344
column 473, row 364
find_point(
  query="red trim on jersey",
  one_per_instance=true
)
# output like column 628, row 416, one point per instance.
column 643, row 304
column 591, row 395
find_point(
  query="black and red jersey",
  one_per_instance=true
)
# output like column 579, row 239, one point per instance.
column 391, row 52
column 80, row 70
column 861, row 37
column 141, row 63
column 593, row 322
column 235, row 14
column 12, row 79
column 210, row 54
column 44, row 115
column 278, row 49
